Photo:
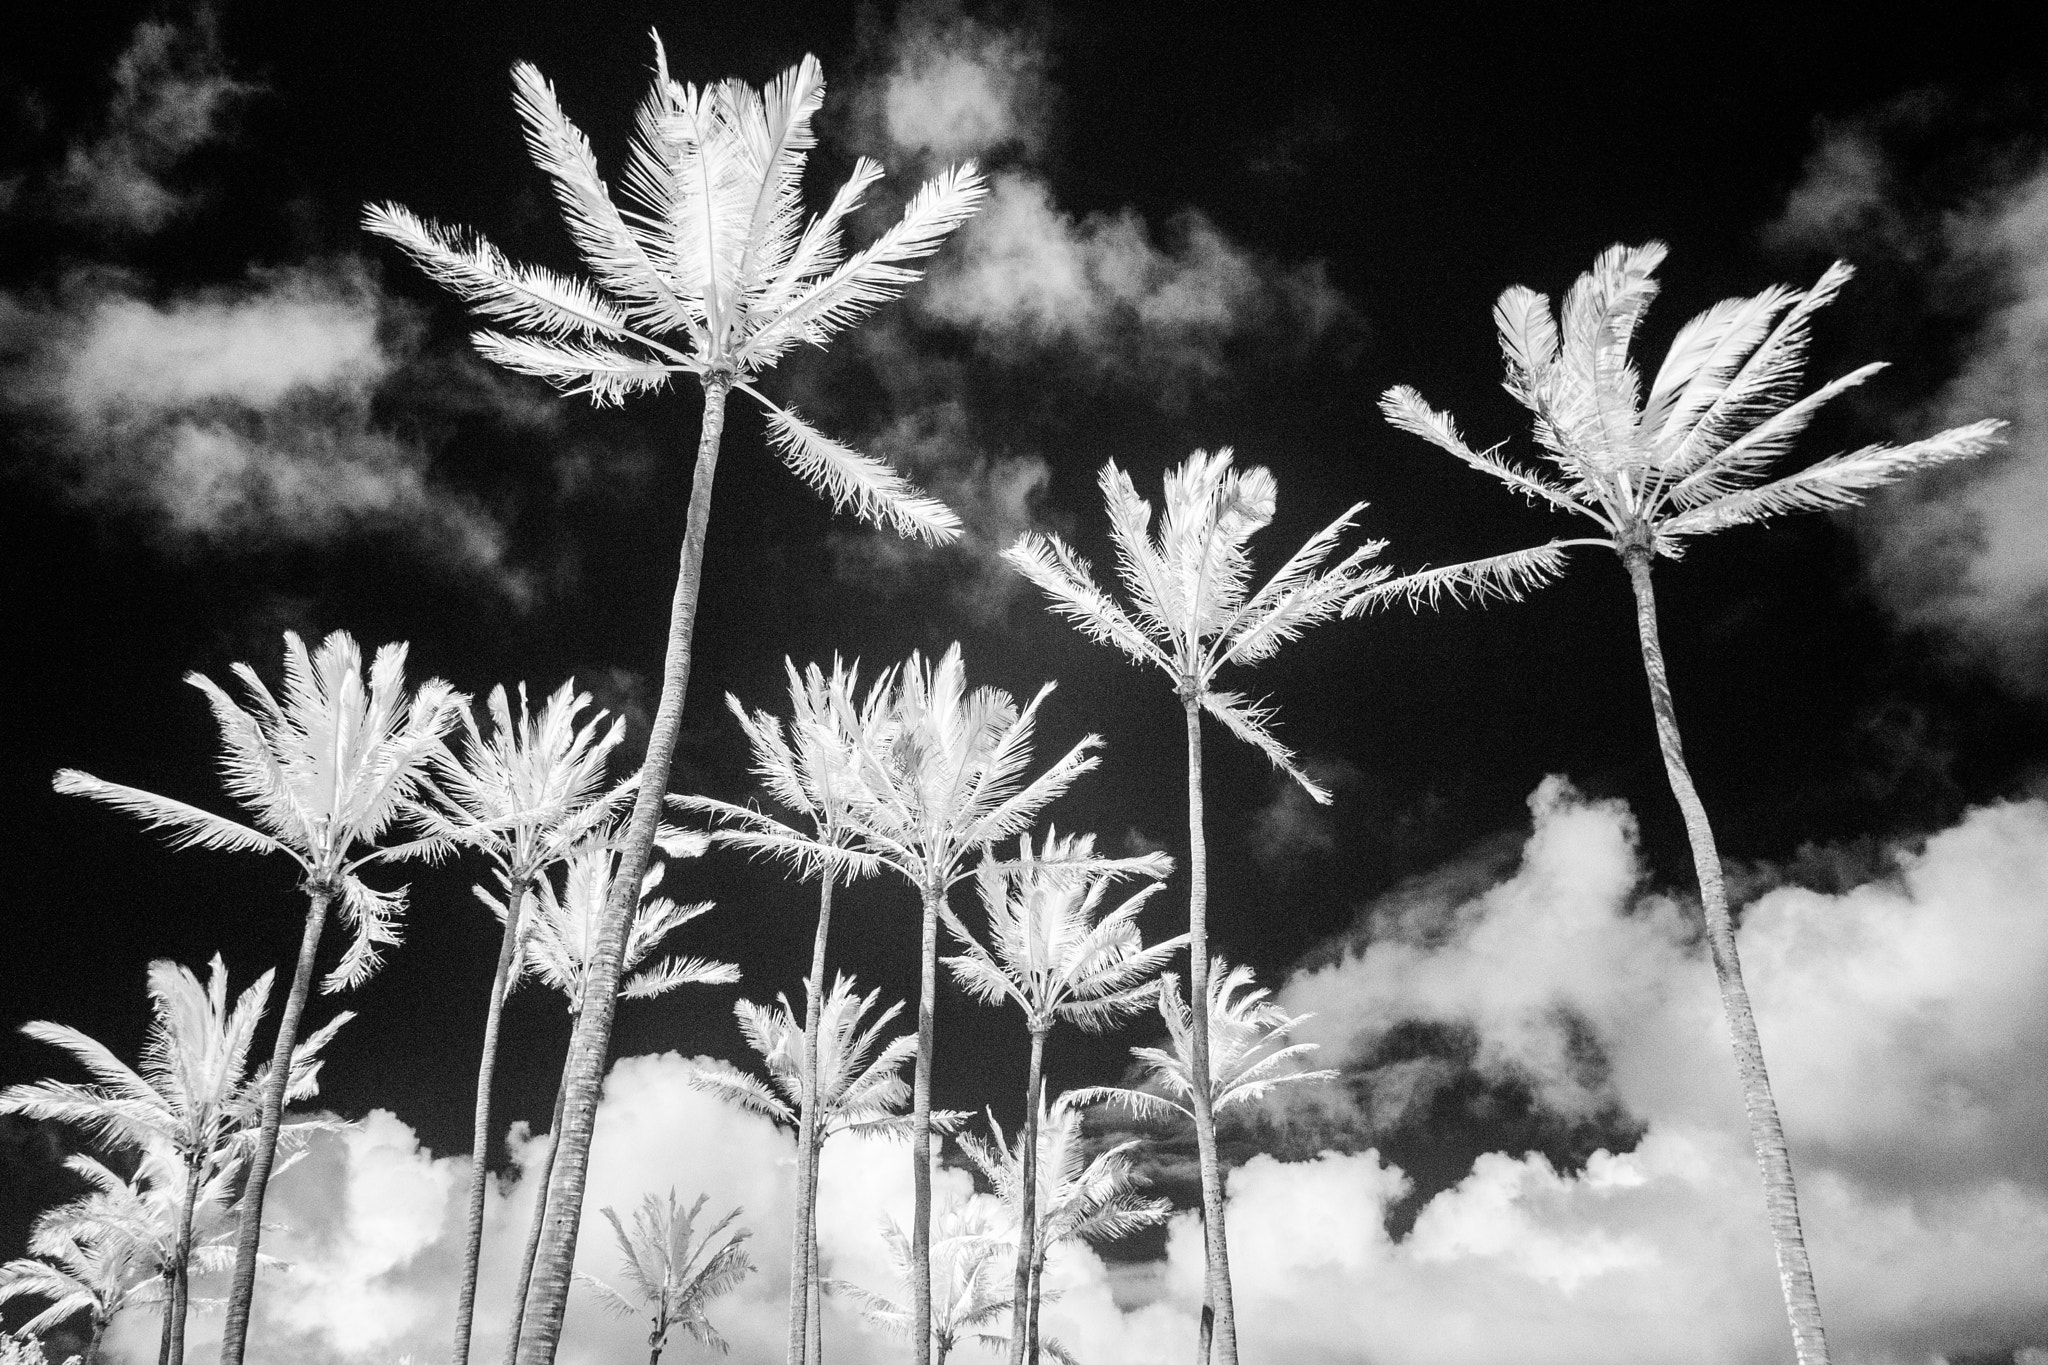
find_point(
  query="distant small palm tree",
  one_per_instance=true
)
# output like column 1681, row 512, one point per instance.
column 527, row 796
column 1192, row 612
column 326, row 773
column 1048, row 953
column 1095, row 1199
column 193, row 1110
column 674, row 1271
column 714, row 273
column 964, row 1269
column 560, row 946
column 857, row 1088
column 1688, row 459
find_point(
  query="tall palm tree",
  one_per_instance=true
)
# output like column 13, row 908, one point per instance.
column 712, row 272
column 965, row 1270
column 1076, row 1197
column 193, row 1109
column 855, row 1088
column 560, row 950
column 527, row 796
column 1049, row 955
column 1651, row 471
column 326, row 772
column 675, row 1272
column 1191, row 613
column 806, row 769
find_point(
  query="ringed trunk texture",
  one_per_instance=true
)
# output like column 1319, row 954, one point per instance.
column 533, row 1231
column 921, row 1137
column 248, row 1237
column 181, row 1271
column 1219, row 1322
column 1766, row 1134
column 1022, row 1347
column 803, row 1268
column 480, row 1133
column 591, row 1043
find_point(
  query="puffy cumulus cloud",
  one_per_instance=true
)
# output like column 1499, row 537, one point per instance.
column 243, row 416
column 955, row 87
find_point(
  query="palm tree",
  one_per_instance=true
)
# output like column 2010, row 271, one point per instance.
column 715, row 257
column 96, row 1255
column 1075, row 1197
column 806, row 769
column 325, row 773
column 966, row 1280
column 526, row 796
column 193, row 1110
column 1650, row 472
column 674, row 1272
column 560, row 950
column 1192, row 612
column 1049, row 954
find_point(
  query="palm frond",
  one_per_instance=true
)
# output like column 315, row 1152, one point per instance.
column 875, row 492
column 1250, row 722
column 191, row 827
column 1509, row 577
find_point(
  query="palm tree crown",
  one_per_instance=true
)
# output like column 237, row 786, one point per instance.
column 1078, row 1196
column 710, row 270
column 673, row 1270
column 966, row 1279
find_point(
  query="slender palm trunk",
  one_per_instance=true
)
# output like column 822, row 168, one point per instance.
column 92, row 1346
column 591, row 1044
column 1036, row 1296
column 921, row 1137
column 814, row 1294
column 480, row 1132
column 802, row 1269
column 1219, row 1323
column 1027, row 1207
column 1766, row 1134
column 181, row 1270
column 163, row 1343
column 537, row 1223
column 242, row 1292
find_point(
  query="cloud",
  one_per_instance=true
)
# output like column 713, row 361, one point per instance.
column 1959, row 552
column 956, row 88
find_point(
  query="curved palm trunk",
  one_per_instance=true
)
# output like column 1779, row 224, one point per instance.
column 1021, row 1347
column 480, row 1133
column 537, row 1223
column 1219, row 1322
column 242, row 1292
column 1766, row 1134
column 921, row 1139
column 591, row 1044
column 803, row 1268
column 181, row 1271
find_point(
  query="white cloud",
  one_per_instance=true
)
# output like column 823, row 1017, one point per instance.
column 956, row 88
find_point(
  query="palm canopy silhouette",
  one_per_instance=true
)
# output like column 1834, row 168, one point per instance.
column 1652, row 470
column 525, row 795
column 96, row 1255
column 673, row 1270
column 710, row 269
column 1049, row 954
column 1074, row 1195
column 192, row 1110
column 325, row 772
column 1191, row 612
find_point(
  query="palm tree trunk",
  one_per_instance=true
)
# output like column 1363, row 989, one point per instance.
column 1219, row 1322
column 480, row 1132
column 536, row 1223
column 1036, row 1295
column 1766, row 1134
column 814, row 1293
column 181, row 1272
column 242, row 1292
column 921, row 1137
column 591, row 1044
column 801, row 1268
column 92, row 1345
column 1027, row 1207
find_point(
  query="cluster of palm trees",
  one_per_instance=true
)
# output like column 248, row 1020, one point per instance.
column 711, row 268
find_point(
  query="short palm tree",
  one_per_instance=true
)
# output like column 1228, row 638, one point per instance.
column 964, row 1270
column 1049, row 954
column 527, row 796
column 559, row 950
column 711, row 272
column 856, row 1088
column 96, row 1255
column 674, row 1271
column 1192, row 611
column 326, row 773
column 193, row 1109
column 806, row 769
column 1094, row 1199
column 1652, row 471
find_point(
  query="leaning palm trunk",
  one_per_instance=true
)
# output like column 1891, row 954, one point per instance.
column 480, row 1131
column 590, row 1043
column 1219, row 1321
column 803, row 1267
column 1766, row 1134
column 1023, row 1339
column 242, row 1291
column 537, row 1223
column 181, row 1270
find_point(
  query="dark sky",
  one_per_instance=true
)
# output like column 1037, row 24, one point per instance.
column 1356, row 184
